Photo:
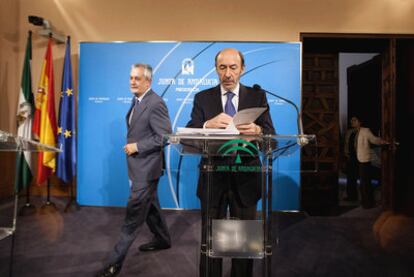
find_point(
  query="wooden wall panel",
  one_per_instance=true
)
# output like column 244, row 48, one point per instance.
column 320, row 117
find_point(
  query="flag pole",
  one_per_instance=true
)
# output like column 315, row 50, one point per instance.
column 45, row 125
column 72, row 199
column 66, row 160
column 49, row 205
column 28, row 208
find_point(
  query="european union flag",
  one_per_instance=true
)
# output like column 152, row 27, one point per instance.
column 66, row 131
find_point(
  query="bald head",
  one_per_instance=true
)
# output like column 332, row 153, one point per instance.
column 231, row 51
column 229, row 67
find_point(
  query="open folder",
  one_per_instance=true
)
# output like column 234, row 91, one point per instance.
column 245, row 116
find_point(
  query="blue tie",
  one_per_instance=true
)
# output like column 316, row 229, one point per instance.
column 229, row 107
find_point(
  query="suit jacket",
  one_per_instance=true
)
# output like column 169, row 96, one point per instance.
column 207, row 104
column 149, row 122
column 363, row 148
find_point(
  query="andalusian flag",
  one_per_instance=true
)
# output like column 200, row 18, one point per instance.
column 44, row 124
column 66, row 160
column 25, row 110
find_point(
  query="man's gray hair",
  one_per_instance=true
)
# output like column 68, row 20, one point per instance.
column 147, row 69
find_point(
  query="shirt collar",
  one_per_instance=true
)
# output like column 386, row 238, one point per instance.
column 142, row 96
column 235, row 90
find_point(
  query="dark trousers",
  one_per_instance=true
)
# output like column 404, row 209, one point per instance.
column 367, row 191
column 143, row 206
column 352, row 172
column 239, row 267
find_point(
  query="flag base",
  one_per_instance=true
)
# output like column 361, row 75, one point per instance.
column 49, row 207
column 72, row 203
column 27, row 209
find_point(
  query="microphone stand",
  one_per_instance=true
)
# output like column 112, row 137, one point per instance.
column 302, row 140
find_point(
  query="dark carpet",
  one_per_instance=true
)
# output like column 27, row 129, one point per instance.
column 76, row 244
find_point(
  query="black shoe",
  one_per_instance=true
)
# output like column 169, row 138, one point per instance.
column 154, row 245
column 110, row 271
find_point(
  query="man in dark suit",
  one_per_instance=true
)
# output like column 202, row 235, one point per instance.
column 238, row 192
column 147, row 121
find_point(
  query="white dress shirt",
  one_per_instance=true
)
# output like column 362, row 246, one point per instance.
column 235, row 99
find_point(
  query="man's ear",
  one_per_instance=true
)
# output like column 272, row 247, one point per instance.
column 242, row 69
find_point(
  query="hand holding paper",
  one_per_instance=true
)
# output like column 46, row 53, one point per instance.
column 247, row 116
column 220, row 121
column 243, row 121
column 248, row 129
column 225, row 124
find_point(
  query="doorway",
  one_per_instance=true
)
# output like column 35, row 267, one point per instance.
column 385, row 75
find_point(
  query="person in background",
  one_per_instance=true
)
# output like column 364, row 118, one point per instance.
column 147, row 121
column 357, row 150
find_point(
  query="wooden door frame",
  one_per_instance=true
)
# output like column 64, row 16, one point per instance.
column 388, row 112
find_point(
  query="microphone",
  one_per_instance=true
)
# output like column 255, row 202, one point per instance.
column 302, row 140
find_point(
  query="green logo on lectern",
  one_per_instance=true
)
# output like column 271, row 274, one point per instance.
column 238, row 146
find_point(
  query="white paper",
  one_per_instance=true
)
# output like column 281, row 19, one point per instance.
column 206, row 131
column 247, row 116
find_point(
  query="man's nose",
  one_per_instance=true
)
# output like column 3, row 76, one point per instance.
column 227, row 72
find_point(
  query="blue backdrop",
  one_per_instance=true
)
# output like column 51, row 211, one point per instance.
column 181, row 69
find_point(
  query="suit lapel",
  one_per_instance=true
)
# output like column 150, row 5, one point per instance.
column 242, row 98
column 217, row 104
column 140, row 109
column 129, row 111
column 142, row 106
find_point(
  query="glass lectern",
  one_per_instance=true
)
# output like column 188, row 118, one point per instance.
column 245, row 155
column 11, row 143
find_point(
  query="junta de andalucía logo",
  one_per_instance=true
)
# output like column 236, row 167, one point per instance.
column 238, row 147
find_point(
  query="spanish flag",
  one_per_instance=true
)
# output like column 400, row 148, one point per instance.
column 44, row 123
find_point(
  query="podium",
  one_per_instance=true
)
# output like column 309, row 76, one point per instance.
column 246, row 157
column 11, row 143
